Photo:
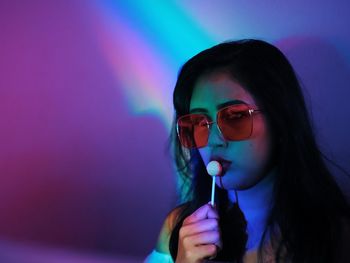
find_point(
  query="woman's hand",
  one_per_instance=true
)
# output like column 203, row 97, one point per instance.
column 199, row 236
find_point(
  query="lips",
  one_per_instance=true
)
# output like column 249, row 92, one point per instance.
column 224, row 163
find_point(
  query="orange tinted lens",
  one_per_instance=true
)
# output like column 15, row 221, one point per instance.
column 193, row 130
column 235, row 122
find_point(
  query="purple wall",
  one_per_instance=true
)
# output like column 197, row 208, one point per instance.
column 79, row 167
column 325, row 76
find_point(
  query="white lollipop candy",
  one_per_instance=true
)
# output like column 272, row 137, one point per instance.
column 214, row 169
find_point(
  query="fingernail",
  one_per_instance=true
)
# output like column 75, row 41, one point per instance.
column 213, row 206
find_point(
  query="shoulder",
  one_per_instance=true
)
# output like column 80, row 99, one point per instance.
column 168, row 226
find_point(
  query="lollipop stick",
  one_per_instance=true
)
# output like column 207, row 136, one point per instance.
column 213, row 192
column 214, row 169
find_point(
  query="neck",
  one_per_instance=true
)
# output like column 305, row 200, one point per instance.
column 255, row 203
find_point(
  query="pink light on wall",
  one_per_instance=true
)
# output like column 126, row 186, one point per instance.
column 145, row 76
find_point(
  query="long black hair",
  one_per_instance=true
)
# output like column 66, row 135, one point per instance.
column 309, row 208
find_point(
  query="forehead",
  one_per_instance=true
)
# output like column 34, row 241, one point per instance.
column 218, row 88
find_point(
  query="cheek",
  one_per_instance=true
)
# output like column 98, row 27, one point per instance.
column 261, row 140
column 260, row 149
column 248, row 154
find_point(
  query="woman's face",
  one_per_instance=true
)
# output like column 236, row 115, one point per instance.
column 244, row 162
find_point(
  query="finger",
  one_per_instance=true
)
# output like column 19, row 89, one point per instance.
column 206, row 251
column 201, row 213
column 198, row 227
column 205, row 238
column 212, row 212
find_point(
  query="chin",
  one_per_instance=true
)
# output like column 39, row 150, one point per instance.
column 235, row 181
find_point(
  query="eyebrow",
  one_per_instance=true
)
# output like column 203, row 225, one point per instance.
column 219, row 106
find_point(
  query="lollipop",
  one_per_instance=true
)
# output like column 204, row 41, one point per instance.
column 214, row 169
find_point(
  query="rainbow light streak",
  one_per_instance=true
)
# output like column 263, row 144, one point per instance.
column 145, row 45
column 133, row 66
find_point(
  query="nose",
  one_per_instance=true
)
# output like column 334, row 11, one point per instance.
column 216, row 138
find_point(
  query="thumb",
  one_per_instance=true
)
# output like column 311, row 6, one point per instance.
column 204, row 212
column 212, row 212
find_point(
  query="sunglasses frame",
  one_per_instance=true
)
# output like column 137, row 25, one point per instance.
column 251, row 110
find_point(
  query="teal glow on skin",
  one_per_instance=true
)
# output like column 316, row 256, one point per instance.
column 250, row 158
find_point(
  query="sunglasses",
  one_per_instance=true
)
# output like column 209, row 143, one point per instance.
column 235, row 123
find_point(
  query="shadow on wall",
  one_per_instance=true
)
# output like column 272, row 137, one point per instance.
column 325, row 77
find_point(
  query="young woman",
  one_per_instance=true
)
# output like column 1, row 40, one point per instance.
column 240, row 103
